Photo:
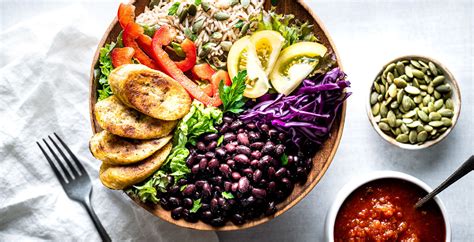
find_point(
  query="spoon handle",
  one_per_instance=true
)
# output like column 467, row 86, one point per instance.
column 465, row 168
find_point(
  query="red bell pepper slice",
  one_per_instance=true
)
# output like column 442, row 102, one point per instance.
column 126, row 14
column 130, row 34
column 190, row 60
column 203, row 71
column 164, row 35
column 121, row 56
column 144, row 42
column 170, row 68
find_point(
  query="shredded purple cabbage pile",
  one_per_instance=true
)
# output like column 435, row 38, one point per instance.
column 308, row 113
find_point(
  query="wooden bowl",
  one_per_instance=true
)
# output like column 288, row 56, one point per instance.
column 321, row 160
column 456, row 97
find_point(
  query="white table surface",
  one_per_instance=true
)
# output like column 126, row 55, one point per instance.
column 367, row 34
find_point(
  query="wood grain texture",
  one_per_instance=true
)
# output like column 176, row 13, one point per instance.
column 322, row 158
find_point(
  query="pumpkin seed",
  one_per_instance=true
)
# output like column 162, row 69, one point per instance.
column 418, row 99
column 434, row 116
column 394, row 105
column 436, row 94
column 418, row 74
column 415, row 63
column 183, row 14
column 433, row 133
column 192, row 10
column 377, row 87
column 412, row 136
column 438, row 80
column 226, row 45
column 427, row 79
column 408, row 71
column 436, row 124
column 391, row 118
column 407, row 120
column 404, row 128
column 428, row 128
column 389, row 67
column 400, row 68
column 406, row 103
column 409, row 114
column 244, row 29
column 446, row 112
column 420, row 128
column 205, row 6
column 423, row 87
column 446, row 121
column 400, row 96
column 423, row 116
column 380, row 98
column 384, row 126
column 216, row 35
column 402, row 138
column 422, row 136
column 446, row 88
column 390, row 77
column 392, row 90
column 430, row 88
column 383, row 110
column 399, row 82
column 438, row 104
column 433, row 68
column 398, row 123
column 449, row 104
column 431, row 107
column 442, row 130
column 221, row 16
column 412, row 90
column 414, row 124
column 423, row 64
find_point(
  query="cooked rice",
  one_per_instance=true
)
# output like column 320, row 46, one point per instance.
column 218, row 55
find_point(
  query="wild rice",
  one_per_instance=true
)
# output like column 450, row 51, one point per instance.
column 217, row 56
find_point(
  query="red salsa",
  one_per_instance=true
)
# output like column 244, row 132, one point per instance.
column 382, row 210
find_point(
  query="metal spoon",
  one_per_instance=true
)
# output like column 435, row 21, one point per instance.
column 465, row 168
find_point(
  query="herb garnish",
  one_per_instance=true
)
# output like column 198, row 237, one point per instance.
column 232, row 96
column 284, row 160
column 147, row 191
column 105, row 66
column 196, row 206
column 227, row 195
column 174, row 8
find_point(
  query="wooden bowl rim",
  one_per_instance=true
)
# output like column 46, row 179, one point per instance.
column 457, row 104
column 251, row 223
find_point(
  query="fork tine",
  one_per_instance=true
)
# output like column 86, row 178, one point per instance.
column 73, row 170
column 76, row 161
column 51, row 163
column 65, row 171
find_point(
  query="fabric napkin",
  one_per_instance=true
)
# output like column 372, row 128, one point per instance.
column 44, row 71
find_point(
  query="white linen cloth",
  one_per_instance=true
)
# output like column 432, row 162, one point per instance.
column 44, row 72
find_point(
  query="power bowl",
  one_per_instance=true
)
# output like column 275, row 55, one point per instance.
column 322, row 158
column 456, row 97
column 360, row 181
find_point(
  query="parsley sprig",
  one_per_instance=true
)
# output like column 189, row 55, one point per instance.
column 232, row 96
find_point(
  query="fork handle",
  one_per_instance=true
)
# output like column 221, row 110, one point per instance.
column 103, row 233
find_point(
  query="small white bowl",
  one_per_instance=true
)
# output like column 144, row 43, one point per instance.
column 362, row 180
column 456, row 97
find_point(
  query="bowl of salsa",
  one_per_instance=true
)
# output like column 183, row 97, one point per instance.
column 380, row 207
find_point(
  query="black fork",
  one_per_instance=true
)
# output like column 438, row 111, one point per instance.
column 73, row 178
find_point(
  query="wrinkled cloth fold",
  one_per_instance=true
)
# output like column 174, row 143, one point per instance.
column 44, row 88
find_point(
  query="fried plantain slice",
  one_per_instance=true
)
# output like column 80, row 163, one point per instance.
column 121, row 177
column 115, row 150
column 123, row 121
column 149, row 91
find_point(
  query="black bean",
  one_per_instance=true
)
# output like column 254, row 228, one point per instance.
column 189, row 190
column 174, row 189
column 221, row 201
column 176, row 213
column 237, row 219
column 188, row 216
column 187, row 202
column 230, row 148
column 217, row 189
column 228, row 137
column 242, row 159
column 231, row 163
column 241, row 130
column 282, row 137
column 217, row 180
column 273, row 133
column 264, row 127
column 271, row 187
column 235, row 186
column 251, row 199
column 174, row 202
column 165, row 204
column 200, row 183
column 227, row 119
column 280, row 172
column 271, row 172
column 254, row 163
column 279, row 149
column 268, row 148
column 248, row 172
column 190, row 161
column 211, row 137
column 206, row 215
column 256, row 154
column 287, row 185
column 203, row 164
column 214, row 205
column 259, row 193
column 271, row 209
column 236, row 124
column 254, row 136
column 212, row 145
column 242, row 149
column 206, row 189
column 225, row 169
column 251, row 126
column 309, row 163
column 291, row 161
column 256, row 145
column 257, row 176
column 218, row 222
column 198, row 157
column 224, row 128
column 227, row 186
column 220, row 152
column 210, row 155
column 243, row 138
column 244, row 184
column 236, row 176
column 182, row 181
column 213, row 163
column 263, row 183
column 195, row 169
column 201, row 146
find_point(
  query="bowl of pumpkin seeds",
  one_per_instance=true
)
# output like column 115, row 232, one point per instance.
column 414, row 102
